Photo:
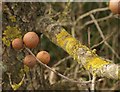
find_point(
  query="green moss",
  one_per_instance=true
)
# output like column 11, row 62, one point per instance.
column 11, row 33
column 12, row 18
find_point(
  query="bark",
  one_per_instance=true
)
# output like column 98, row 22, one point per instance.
column 82, row 54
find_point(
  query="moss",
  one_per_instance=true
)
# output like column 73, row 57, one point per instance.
column 10, row 34
column 12, row 18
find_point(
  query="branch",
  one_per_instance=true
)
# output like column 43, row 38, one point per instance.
column 98, row 20
column 59, row 74
column 93, row 83
column 90, row 12
column 82, row 54
column 102, row 36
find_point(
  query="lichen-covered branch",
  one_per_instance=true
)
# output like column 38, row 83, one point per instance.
column 82, row 54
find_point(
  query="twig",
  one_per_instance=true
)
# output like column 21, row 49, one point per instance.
column 101, row 33
column 98, row 20
column 79, row 72
column 93, row 83
column 9, row 75
column 71, row 80
column 15, row 86
column 103, row 40
column 73, row 31
column 76, row 70
column 88, row 37
column 62, row 60
column 117, row 16
column 90, row 12
column 66, row 8
column 71, row 67
column 88, row 22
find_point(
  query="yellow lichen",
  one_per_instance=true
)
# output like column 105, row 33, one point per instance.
column 71, row 43
column 17, row 86
column 11, row 33
column 95, row 63
column 61, row 38
column 67, row 42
